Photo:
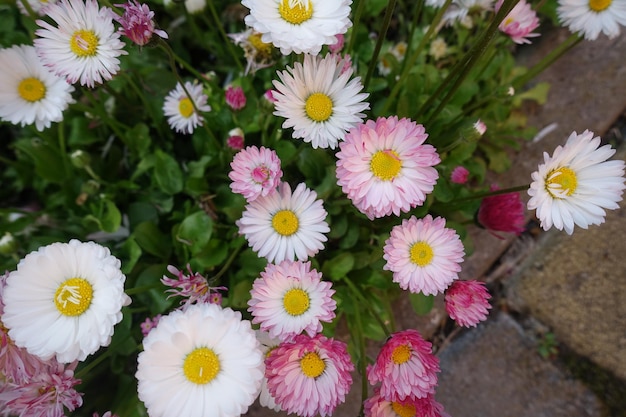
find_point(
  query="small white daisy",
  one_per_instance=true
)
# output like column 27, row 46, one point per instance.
column 300, row 26
column 201, row 361
column 590, row 17
column 290, row 298
column 84, row 46
column 283, row 225
column 319, row 100
column 180, row 111
column 29, row 93
column 64, row 300
column 575, row 184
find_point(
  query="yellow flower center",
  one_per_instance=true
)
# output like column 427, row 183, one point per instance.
column 312, row 365
column 402, row 410
column 565, row 179
column 386, row 164
column 401, row 354
column 285, row 222
column 84, row 43
column 296, row 302
column 31, row 89
column 295, row 11
column 262, row 48
column 319, row 107
column 421, row 253
column 201, row 366
column 599, row 5
column 185, row 107
column 73, row 297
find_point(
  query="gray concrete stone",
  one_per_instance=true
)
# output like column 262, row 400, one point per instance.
column 495, row 371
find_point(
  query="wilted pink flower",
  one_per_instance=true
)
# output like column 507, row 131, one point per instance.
column 467, row 302
column 405, row 366
column 310, row 375
column 149, row 324
column 138, row 22
column 255, row 172
column 502, row 213
column 235, row 97
column 459, row 175
column 377, row 406
column 338, row 45
column 194, row 288
column 520, row 22
column 235, row 139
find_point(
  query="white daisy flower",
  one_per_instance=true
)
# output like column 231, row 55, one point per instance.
column 29, row 93
column 575, row 184
column 300, row 26
column 590, row 17
column 37, row 6
column 283, row 225
column 268, row 344
column 64, row 299
column 319, row 100
column 201, row 361
column 180, row 111
column 84, row 45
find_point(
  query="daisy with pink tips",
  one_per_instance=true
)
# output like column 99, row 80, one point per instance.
column 255, row 172
column 423, row 255
column 377, row 406
column 467, row 302
column 384, row 167
column 310, row 375
column 290, row 298
column 405, row 367
column 520, row 22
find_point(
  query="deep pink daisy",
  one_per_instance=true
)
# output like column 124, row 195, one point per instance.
column 290, row 298
column 423, row 255
column 459, row 175
column 235, row 97
column 502, row 213
column 384, row 166
column 137, row 23
column 377, row 406
column 310, row 375
column 255, row 172
column 405, row 367
column 467, row 302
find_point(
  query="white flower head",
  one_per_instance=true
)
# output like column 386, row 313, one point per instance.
column 592, row 17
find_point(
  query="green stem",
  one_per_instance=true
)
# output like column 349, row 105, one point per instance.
column 229, row 44
column 144, row 102
column 143, row 288
column 363, row 360
column 419, row 5
column 484, row 194
column 460, row 71
column 29, row 10
column 80, row 374
column 547, row 60
column 414, row 56
column 229, row 261
column 367, row 305
column 355, row 24
column 174, row 59
column 98, row 109
column 391, row 4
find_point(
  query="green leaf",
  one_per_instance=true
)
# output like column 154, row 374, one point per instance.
column 167, row 173
column 111, row 218
column 339, row 266
column 195, row 231
column 48, row 160
column 422, row 304
column 154, row 297
column 152, row 240
column 131, row 251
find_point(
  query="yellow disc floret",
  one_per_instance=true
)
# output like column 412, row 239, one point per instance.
column 296, row 302
column 73, row 297
column 403, row 410
column 312, row 365
column 386, row 164
column 401, row 354
column 421, row 253
column 201, row 366
column 319, row 107
column 84, row 43
column 185, row 107
column 31, row 89
column 285, row 222
column 599, row 5
column 295, row 11
column 563, row 177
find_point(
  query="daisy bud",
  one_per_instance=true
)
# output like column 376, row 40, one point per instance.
column 502, row 213
column 138, row 23
column 80, row 159
column 8, row 244
column 235, row 98
column 459, row 175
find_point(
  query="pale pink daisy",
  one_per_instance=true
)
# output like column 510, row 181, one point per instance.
column 520, row 22
column 180, row 108
column 377, row 406
column 235, row 97
column 255, row 172
column 459, row 175
column 290, row 298
column 576, row 184
column 194, row 288
column 405, row 367
column 283, row 225
column 310, row 375
column 423, row 254
column 384, row 167
column 467, row 302
column 137, row 23
column 84, row 46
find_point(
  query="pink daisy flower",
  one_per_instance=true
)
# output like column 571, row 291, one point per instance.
column 502, row 213
column 384, row 167
column 423, row 255
column 459, row 175
column 138, row 23
column 290, row 298
column 377, row 406
column 235, row 97
column 255, row 172
column 405, row 367
column 194, row 288
column 520, row 22
column 310, row 375
column 467, row 302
